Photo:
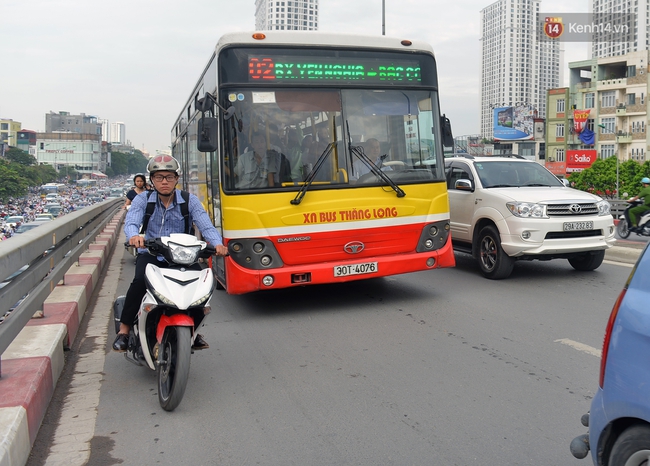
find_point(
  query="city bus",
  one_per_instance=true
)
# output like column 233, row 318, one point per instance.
column 319, row 158
column 52, row 188
column 87, row 183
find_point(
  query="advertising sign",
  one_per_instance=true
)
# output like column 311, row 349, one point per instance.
column 579, row 120
column 578, row 160
column 557, row 168
column 513, row 123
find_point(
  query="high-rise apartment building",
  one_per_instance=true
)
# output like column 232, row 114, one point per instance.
column 118, row 133
column 517, row 67
column 627, row 18
column 286, row 15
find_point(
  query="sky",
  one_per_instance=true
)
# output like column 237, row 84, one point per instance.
column 136, row 61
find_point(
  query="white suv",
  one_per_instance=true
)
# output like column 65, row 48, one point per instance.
column 507, row 208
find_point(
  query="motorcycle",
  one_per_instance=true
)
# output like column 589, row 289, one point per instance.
column 171, row 312
column 623, row 227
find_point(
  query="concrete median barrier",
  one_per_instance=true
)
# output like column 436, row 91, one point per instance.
column 33, row 362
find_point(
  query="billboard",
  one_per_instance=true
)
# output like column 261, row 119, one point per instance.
column 578, row 160
column 513, row 123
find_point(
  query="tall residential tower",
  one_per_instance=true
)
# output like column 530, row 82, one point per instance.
column 517, row 68
column 632, row 17
column 286, row 15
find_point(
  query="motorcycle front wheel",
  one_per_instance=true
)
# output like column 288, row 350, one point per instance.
column 622, row 228
column 174, row 367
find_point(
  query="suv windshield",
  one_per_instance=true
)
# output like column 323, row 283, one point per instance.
column 503, row 174
column 277, row 137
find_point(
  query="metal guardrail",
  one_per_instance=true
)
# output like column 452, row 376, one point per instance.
column 618, row 206
column 48, row 251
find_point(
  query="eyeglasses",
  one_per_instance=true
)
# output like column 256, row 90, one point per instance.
column 160, row 178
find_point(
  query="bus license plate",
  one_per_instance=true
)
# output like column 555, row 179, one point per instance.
column 355, row 269
column 572, row 226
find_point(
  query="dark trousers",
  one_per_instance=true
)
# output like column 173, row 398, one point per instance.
column 138, row 287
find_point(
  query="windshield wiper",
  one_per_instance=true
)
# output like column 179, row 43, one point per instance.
column 312, row 174
column 356, row 150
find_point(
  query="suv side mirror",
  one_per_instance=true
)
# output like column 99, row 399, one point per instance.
column 207, row 134
column 464, row 185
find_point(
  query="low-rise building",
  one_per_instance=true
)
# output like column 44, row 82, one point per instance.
column 607, row 97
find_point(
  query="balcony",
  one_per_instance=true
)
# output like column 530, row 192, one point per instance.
column 621, row 110
column 623, row 138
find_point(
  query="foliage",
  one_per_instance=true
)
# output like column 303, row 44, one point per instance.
column 16, row 155
column 600, row 178
column 126, row 164
column 13, row 184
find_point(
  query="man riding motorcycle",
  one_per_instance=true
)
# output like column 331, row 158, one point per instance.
column 634, row 212
column 166, row 218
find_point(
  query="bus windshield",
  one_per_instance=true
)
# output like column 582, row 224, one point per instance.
column 278, row 136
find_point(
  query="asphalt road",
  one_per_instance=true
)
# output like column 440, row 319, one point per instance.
column 437, row 368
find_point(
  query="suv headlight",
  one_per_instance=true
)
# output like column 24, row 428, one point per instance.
column 527, row 209
column 603, row 207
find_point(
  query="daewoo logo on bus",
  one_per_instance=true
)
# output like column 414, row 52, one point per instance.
column 296, row 238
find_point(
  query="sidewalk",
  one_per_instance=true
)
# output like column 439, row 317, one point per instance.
column 625, row 251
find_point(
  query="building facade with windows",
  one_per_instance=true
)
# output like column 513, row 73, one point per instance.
column 65, row 150
column 118, row 133
column 286, row 15
column 9, row 131
column 613, row 92
column 65, row 122
column 632, row 16
column 517, row 68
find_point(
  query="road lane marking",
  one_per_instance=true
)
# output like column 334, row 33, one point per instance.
column 579, row 346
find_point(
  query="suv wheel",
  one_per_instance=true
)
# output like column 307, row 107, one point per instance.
column 587, row 262
column 494, row 262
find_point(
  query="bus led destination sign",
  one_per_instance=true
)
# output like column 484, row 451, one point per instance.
column 285, row 69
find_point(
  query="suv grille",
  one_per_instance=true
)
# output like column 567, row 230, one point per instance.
column 574, row 208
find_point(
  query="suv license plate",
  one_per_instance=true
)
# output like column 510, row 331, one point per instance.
column 355, row 269
column 571, row 226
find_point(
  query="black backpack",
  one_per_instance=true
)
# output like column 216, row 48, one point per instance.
column 185, row 211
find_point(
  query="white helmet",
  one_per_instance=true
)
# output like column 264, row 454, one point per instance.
column 163, row 163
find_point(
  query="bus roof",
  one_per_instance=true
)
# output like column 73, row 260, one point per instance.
column 311, row 38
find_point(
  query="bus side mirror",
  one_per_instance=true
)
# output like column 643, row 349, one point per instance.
column 207, row 134
column 447, row 136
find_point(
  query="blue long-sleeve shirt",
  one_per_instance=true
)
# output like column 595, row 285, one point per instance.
column 163, row 221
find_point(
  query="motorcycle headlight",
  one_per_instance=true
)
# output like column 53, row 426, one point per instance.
column 200, row 301
column 160, row 297
column 603, row 208
column 184, row 255
column 527, row 209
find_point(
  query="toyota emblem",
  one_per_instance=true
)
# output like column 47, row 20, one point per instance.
column 354, row 247
column 575, row 208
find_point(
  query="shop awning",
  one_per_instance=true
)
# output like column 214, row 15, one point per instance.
column 98, row 175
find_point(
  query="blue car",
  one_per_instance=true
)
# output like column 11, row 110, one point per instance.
column 619, row 420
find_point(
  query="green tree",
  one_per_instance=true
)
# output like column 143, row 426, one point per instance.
column 20, row 156
column 119, row 163
column 13, row 185
column 600, row 178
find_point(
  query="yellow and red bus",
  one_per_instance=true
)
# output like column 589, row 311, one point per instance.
column 319, row 158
